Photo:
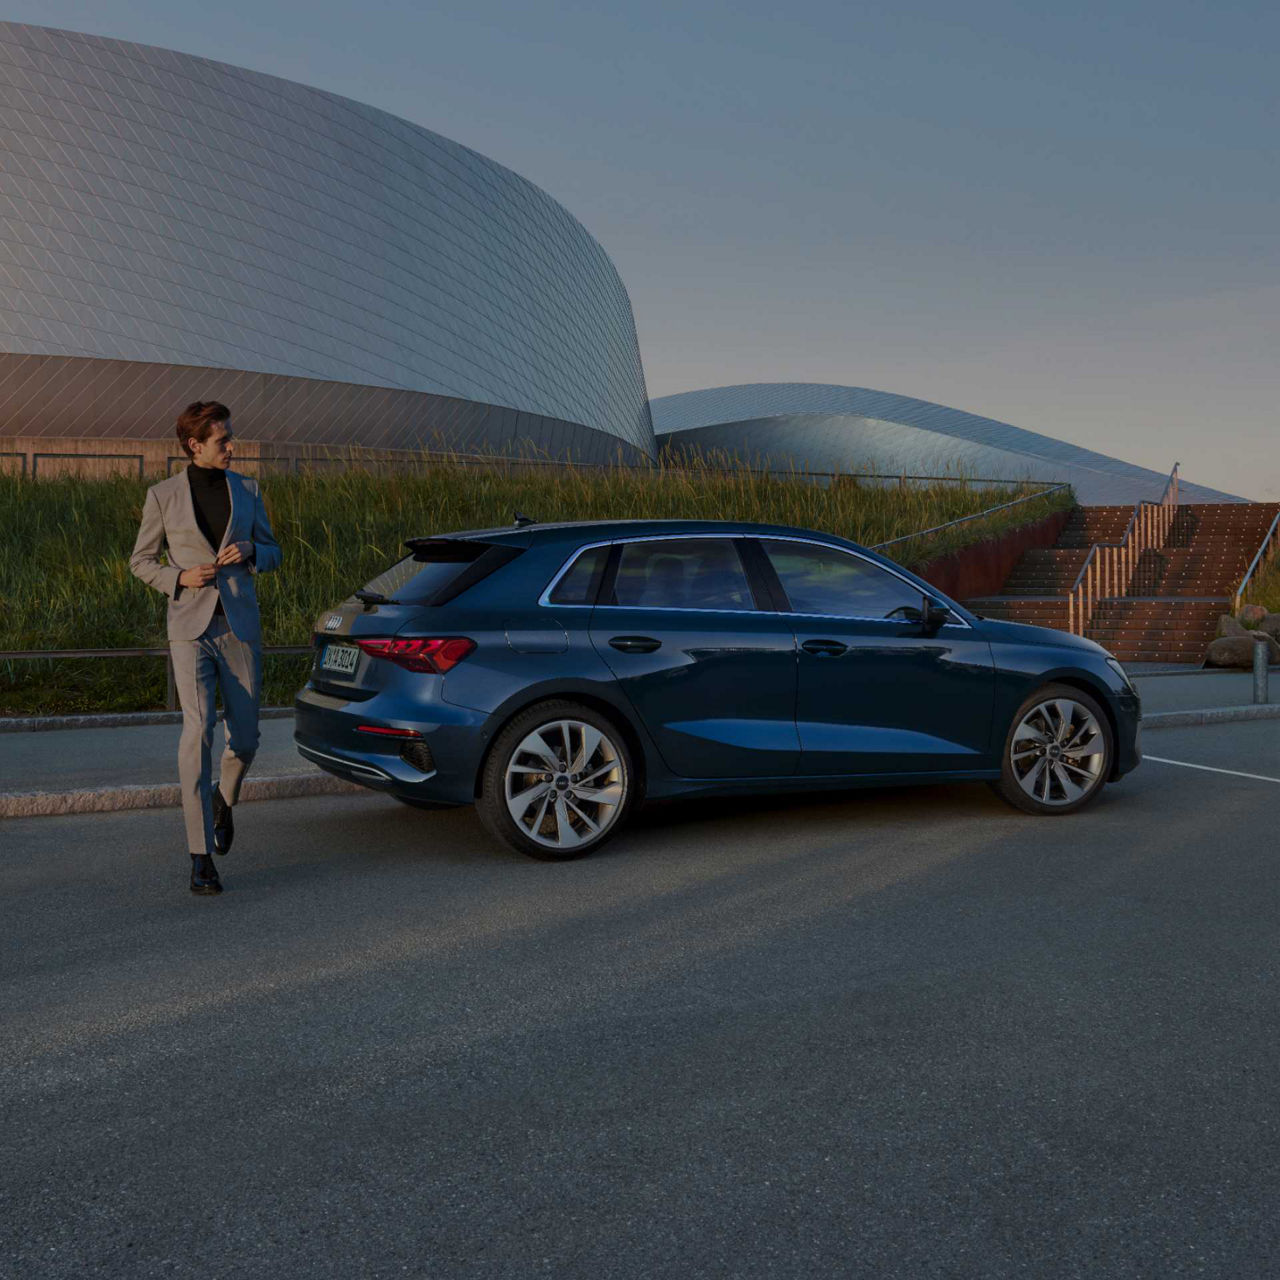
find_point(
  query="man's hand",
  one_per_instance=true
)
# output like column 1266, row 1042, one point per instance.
column 200, row 576
column 234, row 553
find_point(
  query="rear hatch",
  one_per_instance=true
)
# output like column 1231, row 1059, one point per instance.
column 349, row 662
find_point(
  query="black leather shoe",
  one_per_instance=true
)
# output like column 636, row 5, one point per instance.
column 204, row 875
column 224, row 829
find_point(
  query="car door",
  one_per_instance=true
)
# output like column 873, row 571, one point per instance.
column 879, row 693
column 709, row 670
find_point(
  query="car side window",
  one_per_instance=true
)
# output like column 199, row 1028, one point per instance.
column 682, row 573
column 826, row 581
column 582, row 580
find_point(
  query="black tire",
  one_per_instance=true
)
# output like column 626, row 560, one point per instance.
column 561, row 828
column 1087, row 768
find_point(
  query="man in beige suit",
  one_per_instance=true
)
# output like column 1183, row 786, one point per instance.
column 214, row 527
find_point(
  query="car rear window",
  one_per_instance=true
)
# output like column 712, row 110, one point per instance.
column 439, row 569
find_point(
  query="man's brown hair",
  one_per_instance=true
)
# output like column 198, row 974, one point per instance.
column 198, row 419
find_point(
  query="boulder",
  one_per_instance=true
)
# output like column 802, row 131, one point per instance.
column 1228, row 626
column 1237, row 651
column 1271, row 625
column 1252, row 614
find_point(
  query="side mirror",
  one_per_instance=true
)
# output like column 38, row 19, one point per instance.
column 934, row 615
column 930, row 616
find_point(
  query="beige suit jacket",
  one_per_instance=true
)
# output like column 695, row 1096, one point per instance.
column 169, row 523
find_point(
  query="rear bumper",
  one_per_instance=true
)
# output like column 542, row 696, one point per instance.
column 326, row 733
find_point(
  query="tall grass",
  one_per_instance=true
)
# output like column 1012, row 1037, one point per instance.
column 1264, row 586
column 65, row 542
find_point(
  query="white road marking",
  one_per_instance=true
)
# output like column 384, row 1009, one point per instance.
column 1208, row 768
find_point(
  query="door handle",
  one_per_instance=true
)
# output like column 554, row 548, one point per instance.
column 825, row 648
column 635, row 644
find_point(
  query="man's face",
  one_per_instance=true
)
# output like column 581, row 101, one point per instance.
column 216, row 450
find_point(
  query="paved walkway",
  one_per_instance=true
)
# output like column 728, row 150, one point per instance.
column 1195, row 690
column 140, row 755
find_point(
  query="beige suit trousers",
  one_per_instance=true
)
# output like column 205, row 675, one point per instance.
column 217, row 660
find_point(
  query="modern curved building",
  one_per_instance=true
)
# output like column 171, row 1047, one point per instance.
column 174, row 229
column 823, row 428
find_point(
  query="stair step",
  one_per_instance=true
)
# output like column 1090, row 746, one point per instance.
column 1176, row 593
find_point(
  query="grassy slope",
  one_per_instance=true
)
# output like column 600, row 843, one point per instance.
column 1264, row 586
column 65, row 543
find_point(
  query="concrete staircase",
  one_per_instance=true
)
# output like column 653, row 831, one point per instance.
column 1170, row 611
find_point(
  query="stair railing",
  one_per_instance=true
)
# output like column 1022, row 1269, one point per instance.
column 1264, row 552
column 1109, row 568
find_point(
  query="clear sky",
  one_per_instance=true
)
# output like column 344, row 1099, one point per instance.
column 1063, row 216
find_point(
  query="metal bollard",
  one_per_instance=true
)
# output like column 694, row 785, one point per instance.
column 1261, row 654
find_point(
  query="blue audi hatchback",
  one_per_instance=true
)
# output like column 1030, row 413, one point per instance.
column 555, row 675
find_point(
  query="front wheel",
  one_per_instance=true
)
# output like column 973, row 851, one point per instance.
column 558, row 782
column 1058, row 752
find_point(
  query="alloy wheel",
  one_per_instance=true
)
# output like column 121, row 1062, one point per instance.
column 1058, row 752
column 565, row 784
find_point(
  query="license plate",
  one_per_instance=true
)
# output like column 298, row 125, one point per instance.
column 341, row 658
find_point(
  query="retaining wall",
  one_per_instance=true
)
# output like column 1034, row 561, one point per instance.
column 982, row 569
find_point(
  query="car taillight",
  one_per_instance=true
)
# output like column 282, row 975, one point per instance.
column 438, row 656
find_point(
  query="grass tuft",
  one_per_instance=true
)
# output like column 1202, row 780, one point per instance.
column 65, row 543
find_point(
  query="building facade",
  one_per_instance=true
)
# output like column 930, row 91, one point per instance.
column 822, row 428
column 176, row 229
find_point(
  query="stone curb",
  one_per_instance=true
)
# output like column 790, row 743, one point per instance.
column 50, row 804
column 118, row 720
column 1210, row 715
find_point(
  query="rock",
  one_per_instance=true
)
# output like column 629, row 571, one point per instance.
column 1252, row 614
column 1271, row 625
column 1237, row 651
column 1228, row 626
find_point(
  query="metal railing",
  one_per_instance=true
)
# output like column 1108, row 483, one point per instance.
column 1265, row 552
column 87, row 457
column 170, row 691
column 1109, row 568
column 283, row 464
column 978, row 515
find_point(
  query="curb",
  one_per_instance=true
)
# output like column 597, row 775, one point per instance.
column 117, row 720
column 50, row 804
column 1211, row 715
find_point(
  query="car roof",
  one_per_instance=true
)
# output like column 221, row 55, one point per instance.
column 589, row 530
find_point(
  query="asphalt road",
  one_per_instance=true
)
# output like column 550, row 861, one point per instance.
column 891, row 1034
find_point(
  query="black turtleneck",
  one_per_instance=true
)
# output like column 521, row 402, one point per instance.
column 212, row 500
column 211, row 497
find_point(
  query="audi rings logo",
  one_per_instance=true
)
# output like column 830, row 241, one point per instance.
column 333, row 622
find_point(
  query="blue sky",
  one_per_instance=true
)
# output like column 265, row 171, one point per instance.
column 1065, row 218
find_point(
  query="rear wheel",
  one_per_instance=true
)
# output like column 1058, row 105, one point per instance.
column 1058, row 752
column 558, row 782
